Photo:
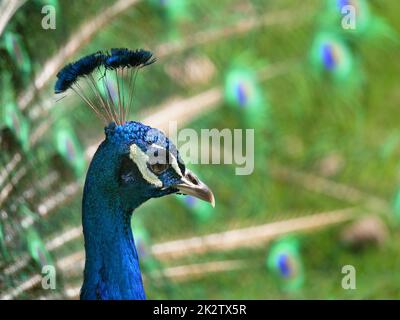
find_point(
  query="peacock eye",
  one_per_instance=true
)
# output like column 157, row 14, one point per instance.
column 158, row 168
column 127, row 170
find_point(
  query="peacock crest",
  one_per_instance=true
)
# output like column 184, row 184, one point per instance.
column 109, row 76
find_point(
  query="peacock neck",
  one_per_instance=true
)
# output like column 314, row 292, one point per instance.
column 112, row 265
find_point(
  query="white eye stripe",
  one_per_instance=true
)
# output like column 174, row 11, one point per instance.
column 175, row 165
column 173, row 161
column 157, row 147
column 141, row 159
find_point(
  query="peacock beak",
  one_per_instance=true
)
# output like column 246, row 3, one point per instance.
column 191, row 185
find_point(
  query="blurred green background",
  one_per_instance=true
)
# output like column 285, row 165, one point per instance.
column 322, row 100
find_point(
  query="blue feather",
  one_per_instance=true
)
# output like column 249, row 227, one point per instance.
column 117, row 58
column 73, row 71
column 125, row 58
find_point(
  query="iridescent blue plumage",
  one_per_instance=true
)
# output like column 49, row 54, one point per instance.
column 73, row 71
column 116, row 58
column 125, row 58
column 328, row 57
column 113, row 189
column 109, row 105
column 284, row 265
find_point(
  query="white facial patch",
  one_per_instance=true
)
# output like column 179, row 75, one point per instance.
column 141, row 159
column 173, row 162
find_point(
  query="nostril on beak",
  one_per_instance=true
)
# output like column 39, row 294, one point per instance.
column 193, row 179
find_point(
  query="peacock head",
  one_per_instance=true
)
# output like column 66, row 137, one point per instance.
column 136, row 163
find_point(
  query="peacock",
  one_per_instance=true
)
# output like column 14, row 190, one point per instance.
column 133, row 164
column 309, row 87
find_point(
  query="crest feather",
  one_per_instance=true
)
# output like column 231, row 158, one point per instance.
column 109, row 79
